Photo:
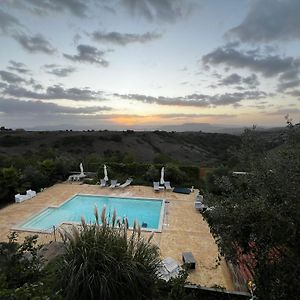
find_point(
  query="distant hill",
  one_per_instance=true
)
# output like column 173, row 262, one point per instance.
column 206, row 127
column 198, row 148
column 186, row 127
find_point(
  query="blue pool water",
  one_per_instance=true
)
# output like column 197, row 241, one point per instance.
column 144, row 210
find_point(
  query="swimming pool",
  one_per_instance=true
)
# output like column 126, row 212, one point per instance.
column 147, row 211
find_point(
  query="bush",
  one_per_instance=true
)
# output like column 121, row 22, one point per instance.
column 102, row 262
column 152, row 174
column 174, row 174
column 9, row 184
column 216, row 181
column 20, row 269
column 33, row 178
column 162, row 159
column 11, row 141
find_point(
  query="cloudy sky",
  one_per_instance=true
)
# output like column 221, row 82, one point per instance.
column 120, row 64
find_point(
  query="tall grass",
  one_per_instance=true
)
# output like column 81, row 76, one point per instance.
column 104, row 261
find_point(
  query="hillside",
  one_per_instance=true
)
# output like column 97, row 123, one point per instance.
column 184, row 147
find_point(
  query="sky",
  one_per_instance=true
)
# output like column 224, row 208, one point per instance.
column 144, row 64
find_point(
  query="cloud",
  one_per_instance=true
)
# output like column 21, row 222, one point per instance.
column 35, row 43
column 7, row 22
column 15, row 106
column 75, row 7
column 294, row 93
column 270, row 20
column 88, row 54
column 54, row 92
column 268, row 65
column 235, row 79
column 193, row 116
column 290, row 75
column 11, row 77
column 124, row 39
column 159, row 10
column 231, row 79
column 197, row 100
column 58, row 70
column 251, row 81
column 283, row 86
column 288, row 80
column 18, row 67
column 284, row 111
column 9, row 25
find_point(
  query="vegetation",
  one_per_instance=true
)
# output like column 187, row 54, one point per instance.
column 21, row 273
column 259, row 214
column 103, row 262
column 39, row 159
column 145, row 174
column 100, row 261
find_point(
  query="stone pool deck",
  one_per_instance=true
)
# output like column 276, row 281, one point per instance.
column 184, row 229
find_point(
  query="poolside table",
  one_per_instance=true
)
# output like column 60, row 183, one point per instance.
column 189, row 260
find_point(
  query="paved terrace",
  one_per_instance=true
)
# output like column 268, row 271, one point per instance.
column 184, row 228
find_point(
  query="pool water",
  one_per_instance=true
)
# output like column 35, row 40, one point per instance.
column 145, row 211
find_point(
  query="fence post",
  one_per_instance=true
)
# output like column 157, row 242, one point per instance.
column 54, row 232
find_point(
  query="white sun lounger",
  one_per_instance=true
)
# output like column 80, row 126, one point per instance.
column 114, row 183
column 102, row 183
column 76, row 177
column 169, row 268
column 156, row 186
column 168, row 186
column 199, row 205
column 126, row 183
column 199, row 198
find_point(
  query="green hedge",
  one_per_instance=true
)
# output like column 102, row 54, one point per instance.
column 145, row 174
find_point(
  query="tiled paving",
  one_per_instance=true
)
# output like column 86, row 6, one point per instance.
column 184, row 228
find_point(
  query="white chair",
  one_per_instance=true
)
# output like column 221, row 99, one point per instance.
column 102, row 183
column 114, row 183
column 20, row 198
column 126, row 183
column 168, row 186
column 31, row 193
column 156, row 186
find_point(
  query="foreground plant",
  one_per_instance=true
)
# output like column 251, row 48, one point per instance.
column 21, row 272
column 259, row 217
column 105, row 261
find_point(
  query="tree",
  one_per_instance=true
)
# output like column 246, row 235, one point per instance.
column 260, row 216
column 21, row 269
column 9, row 183
column 174, row 174
column 47, row 168
column 152, row 174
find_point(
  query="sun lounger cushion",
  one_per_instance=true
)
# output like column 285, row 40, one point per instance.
column 189, row 260
column 181, row 190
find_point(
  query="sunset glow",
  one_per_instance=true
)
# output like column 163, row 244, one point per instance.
column 148, row 64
